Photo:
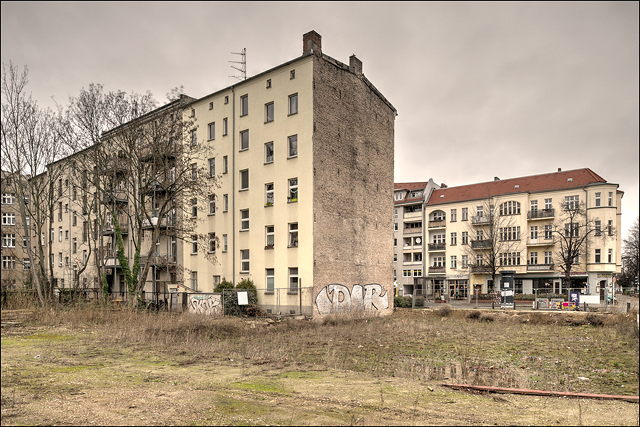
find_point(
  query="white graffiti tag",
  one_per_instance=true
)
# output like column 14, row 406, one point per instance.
column 336, row 298
column 205, row 304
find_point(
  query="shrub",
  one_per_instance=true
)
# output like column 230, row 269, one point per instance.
column 595, row 320
column 420, row 301
column 402, row 302
column 445, row 310
column 247, row 284
column 224, row 284
column 474, row 315
column 486, row 318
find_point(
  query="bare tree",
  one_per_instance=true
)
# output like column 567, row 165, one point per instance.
column 572, row 233
column 631, row 256
column 28, row 146
column 148, row 176
column 495, row 237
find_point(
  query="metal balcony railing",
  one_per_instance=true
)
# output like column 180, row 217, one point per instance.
column 542, row 213
column 480, row 269
column 437, row 246
column 540, row 241
column 481, row 244
column 437, row 270
column 480, row 220
column 437, row 223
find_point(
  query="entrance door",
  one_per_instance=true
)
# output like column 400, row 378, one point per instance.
column 603, row 283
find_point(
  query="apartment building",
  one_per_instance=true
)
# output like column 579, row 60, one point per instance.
column 527, row 215
column 15, row 260
column 408, row 237
column 299, row 163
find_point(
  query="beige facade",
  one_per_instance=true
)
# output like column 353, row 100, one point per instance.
column 527, row 209
column 15, row 260
column 298, row 159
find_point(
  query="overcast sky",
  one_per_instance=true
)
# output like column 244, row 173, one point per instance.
column 481, row 89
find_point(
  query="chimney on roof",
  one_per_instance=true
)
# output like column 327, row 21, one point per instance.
column 311, row 40
column 356, row 64
column 495, row 178
column 443, row 185
column 559, row 169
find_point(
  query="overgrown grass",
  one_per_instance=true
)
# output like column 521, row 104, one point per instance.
column 553, row 351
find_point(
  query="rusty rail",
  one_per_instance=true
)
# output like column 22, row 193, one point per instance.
column 540, row 392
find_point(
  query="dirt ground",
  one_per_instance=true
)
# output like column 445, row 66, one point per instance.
column 86, row 373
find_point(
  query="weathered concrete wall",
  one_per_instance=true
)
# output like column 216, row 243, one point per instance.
column 353, row 148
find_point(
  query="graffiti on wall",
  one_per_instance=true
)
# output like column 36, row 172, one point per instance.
column 205, row 304
column 336, row 298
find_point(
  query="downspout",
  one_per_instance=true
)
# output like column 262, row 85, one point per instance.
column 233, row 185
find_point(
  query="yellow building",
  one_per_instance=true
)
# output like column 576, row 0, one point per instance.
column 524, row 224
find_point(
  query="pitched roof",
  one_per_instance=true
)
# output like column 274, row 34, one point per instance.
column 526, row 184
column 409, row 186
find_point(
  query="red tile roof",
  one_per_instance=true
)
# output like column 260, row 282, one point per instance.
column 410, row 186
column 526, row 184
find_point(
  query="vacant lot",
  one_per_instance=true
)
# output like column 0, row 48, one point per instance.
column 121, row 367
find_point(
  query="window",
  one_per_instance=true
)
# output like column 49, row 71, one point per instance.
column 510, row 233
column 510, row 208
column 293, row 189
column 75, row 193
column 268, row 112
column 194, row 280
column 548, row 257
column 598, row 228
column 224, row 243
column 454, row 261
column 395, row 243
column 225, row 203
column 211, row 106
column 510, row 258
column 212, row 167
column 8, row 219
column 438, row 261
column 269, row 194
column 9, row 240
column 465, row 214
column 610, row 228
column 244, row 140
column 194, row 244
column 244, row 179
column 395, row 213
column 610, row 255
column 548, row 203
column 293, row 104
column 479, row 211
column 293, row 280
column 244, row 260
column 479, row 260
column 194, row 171
column 398, row 195
column 269, row 231
column 226, row 99
column 293, row 146
column 479, row 235
column 212, row 131
column 534, row 205
column 548, row 232
column 59, row 211
column 225, row 127
column 417, row 273
column 75, row 219
column 597, row 260
column 395, row 226
column 66, row 261
column 8, row 199
column 597, row 199
column 268, row 83
column 194, row 207
column 60, row 234
column 8, row 263
column 244, row 220
column 60, row 258
column 454, row 215
column 194, row 137
column 534, row 232
column 533, row 258
column 610, row 200
column 465, row 261
column 244, row 105
column 293, row 235
column 406, row 273
column 269, row 274
column 268, row 152
column 212, row 204
column 26, row 264
column 571, row 202
column 74, row 246
column 454, row 239
column 571, row 229
column 212, row 242
column 465, row 237
column 292, row 74
column 225, row 164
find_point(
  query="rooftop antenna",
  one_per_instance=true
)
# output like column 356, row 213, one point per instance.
column 243, row 64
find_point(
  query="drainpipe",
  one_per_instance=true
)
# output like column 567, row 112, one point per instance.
column 233, row 184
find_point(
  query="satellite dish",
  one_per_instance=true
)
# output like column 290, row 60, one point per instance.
column 418, row 240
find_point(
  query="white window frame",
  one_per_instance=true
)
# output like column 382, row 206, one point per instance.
column 598, row 256
column 225, row 203
column 293, row 280
column 293, row 190
column 610, row 200
column 465, row 214
column 244, row 173
column 292, row 146
column 269, row 112
column 224, row 243
column 8, row 218
column 244, row 220
column 597, row 199
column 8, row 198
column 225, row 164
column 212, row 242
column 269, row 231
column 268, row 152
column 244, row 105
column 8, row 240
column 194, row 207
column 225, row 126
column 454, row 261
column 465, row 261
column 244, row 261
column 212, row 167
column 194, row 244
column 293, row 235
column 269, row 194
column 212, row 131
column 212, row 204
column 293, row 104
column 194, row 280
column 454, row 215
column 270, row 280
column 244, row 140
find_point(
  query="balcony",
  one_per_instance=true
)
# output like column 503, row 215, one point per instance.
column 110, row 229
column 408, row 215
column 480, row 220
column 117, row 165
column 166, row 221
column 159, row 260
column 539, row 267
column 481, row 244
column 151, row 152
column 437, row 247
column 116, row 196
column 437, row 270
column 111, row 262
column 541, row 214
column 540, row 241
column 480, row 269
column 413, row 230
column 438, row 223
